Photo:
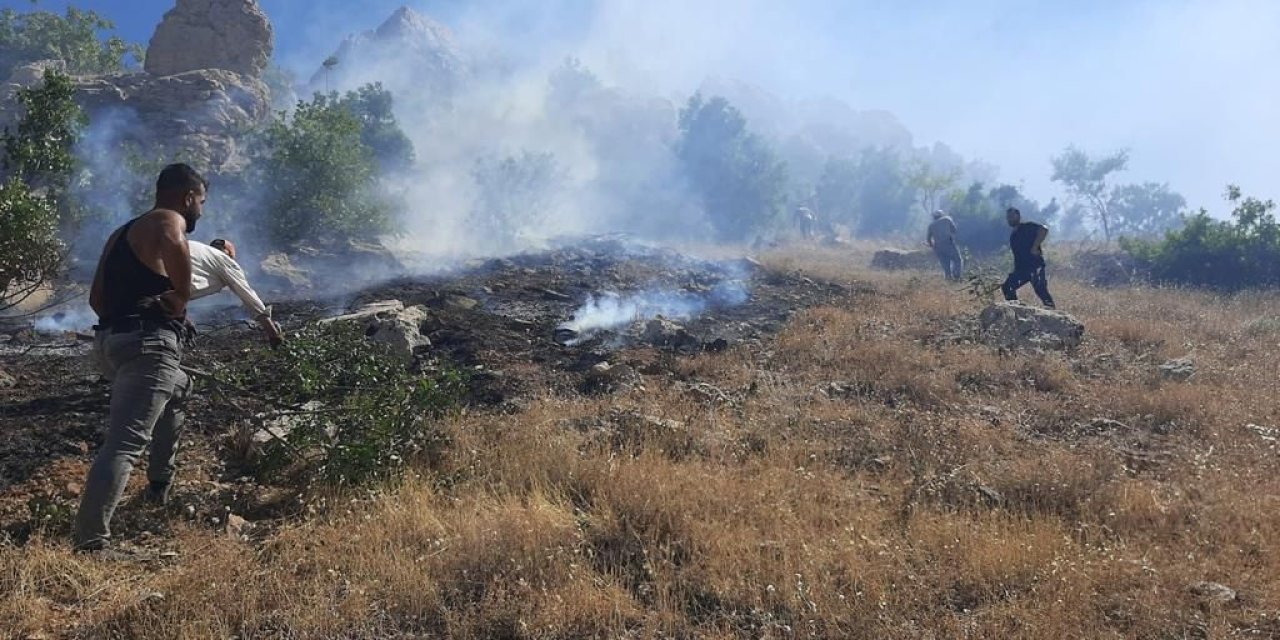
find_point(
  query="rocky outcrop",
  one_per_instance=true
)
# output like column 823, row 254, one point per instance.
column 231, row 35
column 198, row 113
column 898, row 259
column 390, row 323
column 201, row 91
column 1012, row 325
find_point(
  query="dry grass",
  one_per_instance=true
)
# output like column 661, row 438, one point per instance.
column 852, row 480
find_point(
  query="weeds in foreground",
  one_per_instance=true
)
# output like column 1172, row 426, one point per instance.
column 353, row 413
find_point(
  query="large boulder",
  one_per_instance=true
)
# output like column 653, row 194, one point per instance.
column 232, row 35
column 899, row 259
column 1013, row 325
column 390, row 322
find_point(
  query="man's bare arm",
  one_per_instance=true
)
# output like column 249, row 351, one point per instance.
column 176, row 257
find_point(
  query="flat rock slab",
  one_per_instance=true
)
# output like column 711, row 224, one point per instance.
column 1012, row 325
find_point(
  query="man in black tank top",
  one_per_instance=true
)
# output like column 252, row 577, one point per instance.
column 140, row 293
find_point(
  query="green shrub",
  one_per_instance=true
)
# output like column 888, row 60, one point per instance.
column 319, row 176
column 30, row 250
column 368, row 415
column 1227, row 255
column 72, row 38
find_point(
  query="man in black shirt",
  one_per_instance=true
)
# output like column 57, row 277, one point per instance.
column 140, row 293
column 1028, row 258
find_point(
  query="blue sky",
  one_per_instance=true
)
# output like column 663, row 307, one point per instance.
column 1186, row 85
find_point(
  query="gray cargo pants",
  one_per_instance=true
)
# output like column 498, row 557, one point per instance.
column 949, row 257
column 147, row 392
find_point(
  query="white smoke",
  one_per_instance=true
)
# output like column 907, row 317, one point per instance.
column 75, row 318
column 611, row 311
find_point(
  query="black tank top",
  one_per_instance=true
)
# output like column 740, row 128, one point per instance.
column 126, row 282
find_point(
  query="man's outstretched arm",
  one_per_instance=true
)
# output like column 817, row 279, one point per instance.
column 232, row 274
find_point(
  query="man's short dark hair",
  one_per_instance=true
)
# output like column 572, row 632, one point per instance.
column 180, row 177
column 1013, row 210
column 218, row 243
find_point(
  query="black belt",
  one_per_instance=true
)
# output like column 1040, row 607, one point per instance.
column 128, row 325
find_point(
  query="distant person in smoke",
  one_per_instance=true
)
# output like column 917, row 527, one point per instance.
column 806, row 222
column 214, row 268
column 1028, row 258
column 942, row 239
column 140, row 293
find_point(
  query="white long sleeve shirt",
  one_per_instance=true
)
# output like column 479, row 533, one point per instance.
column 212, row 271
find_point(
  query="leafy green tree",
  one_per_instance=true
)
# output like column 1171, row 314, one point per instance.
column 73, row 38
column 930, row 186
column 837, row 190
column 1145, row 209
column 515, row 193
column 871, row 193
column 1086, row 180
column 1240, row 253
column 979, row 215
column 30, row 250
column 39, row 151
column 740, row 179
column 372, row 105
column 319, row 177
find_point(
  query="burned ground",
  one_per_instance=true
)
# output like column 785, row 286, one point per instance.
column 497, row 319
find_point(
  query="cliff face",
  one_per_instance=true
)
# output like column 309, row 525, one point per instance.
column 201, row 87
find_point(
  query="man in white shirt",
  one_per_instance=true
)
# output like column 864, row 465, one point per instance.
column 214, row 268
column 942, row 238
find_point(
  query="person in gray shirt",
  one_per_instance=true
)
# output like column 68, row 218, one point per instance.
column 942, row 239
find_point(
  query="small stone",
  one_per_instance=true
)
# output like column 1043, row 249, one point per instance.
column 72, row 489
column 1178, row 369
column 1270, row 434
column 1214, row 592
column 462, row 303
column 236, row 525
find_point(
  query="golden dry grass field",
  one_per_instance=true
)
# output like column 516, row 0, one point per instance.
column 855, row 477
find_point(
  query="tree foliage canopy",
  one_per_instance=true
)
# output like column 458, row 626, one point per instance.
column 872, row 193
column 30, row 249
column 72, row 38
column 39, row 150
column 738, row 177
column 1086, row 180
column 372, row 105
column 515, row 193
column 38, row 160
column 319, row 176
column 1240, row 253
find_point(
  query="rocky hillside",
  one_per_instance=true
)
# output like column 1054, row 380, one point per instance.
column 201, row 88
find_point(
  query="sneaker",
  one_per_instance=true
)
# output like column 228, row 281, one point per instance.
column 102, row 551
column 157, row 492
